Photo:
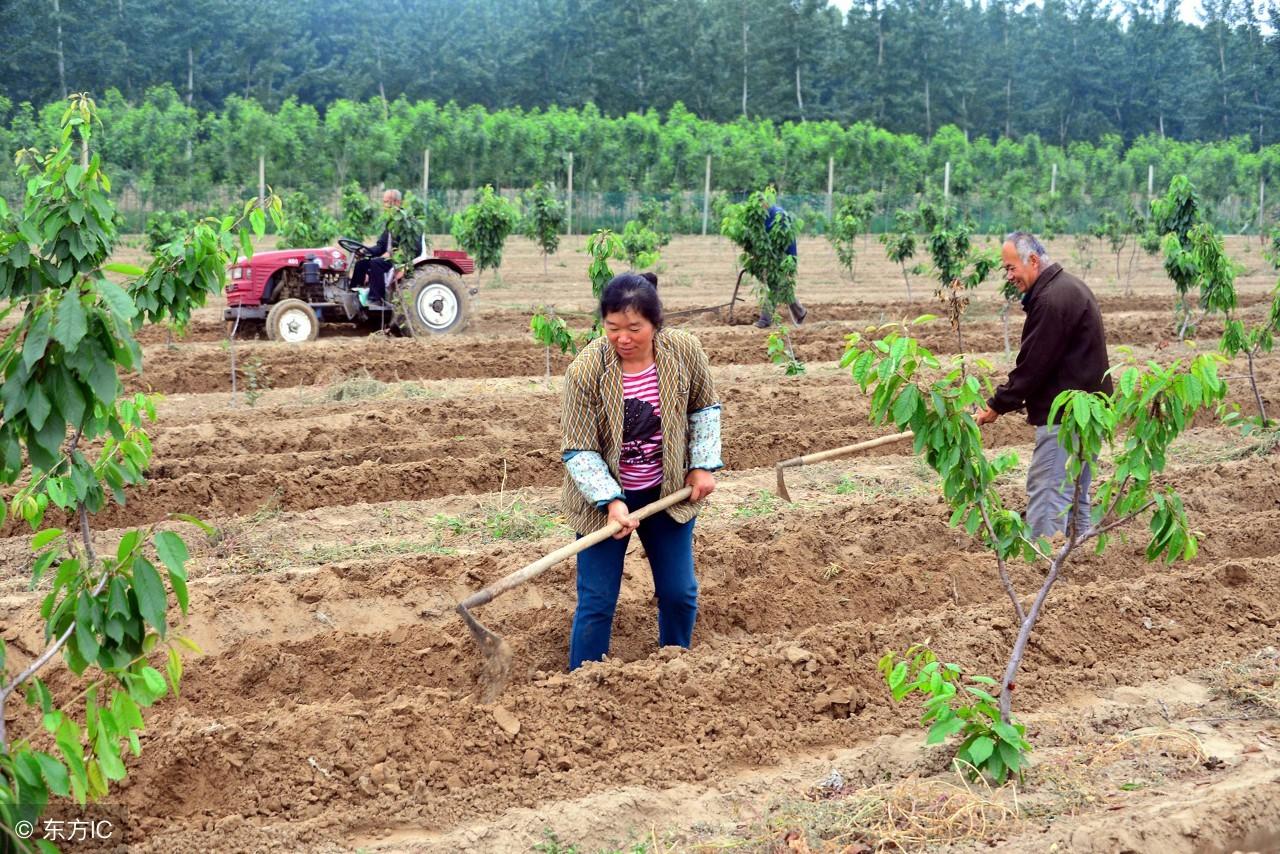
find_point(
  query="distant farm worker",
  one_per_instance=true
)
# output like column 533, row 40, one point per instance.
column 782, row 291
column 377, row 268
column 1063, row 347
column 641, row 421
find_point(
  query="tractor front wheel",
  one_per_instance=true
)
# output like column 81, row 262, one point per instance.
column 434, row 301
column 292, row 321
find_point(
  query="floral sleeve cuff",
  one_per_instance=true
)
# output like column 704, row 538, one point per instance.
column 704, row 439
column 591, row 475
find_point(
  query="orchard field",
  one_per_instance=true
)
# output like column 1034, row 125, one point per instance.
column 365, row 485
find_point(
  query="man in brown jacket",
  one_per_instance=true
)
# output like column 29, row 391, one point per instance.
column 1063, row 347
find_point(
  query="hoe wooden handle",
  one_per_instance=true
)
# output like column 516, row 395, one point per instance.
column 833, row 454
column 533, row 570
column 836, row 453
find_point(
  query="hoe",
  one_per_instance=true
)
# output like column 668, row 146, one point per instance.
column 497, row 653
column 834, row 454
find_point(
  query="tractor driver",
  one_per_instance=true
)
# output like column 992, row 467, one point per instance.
column 377, row 268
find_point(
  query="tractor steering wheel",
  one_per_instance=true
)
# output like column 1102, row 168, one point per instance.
column 355, row 247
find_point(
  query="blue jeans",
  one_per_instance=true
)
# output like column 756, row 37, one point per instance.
column 669, row 545
column 1049, row 491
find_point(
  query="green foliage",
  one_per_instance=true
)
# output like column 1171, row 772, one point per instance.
column 544, row 217
column 550, row 330
column 603, row 246
column 165, row 226
column 306, row 224
column 764, row 251
column 778, row 347
column 409, row 225
column 83, row 440
column 956, row 265
column 653, row 216
column 358, row 215
column 954, row 705
column 640, row 245
column 482, row 229
column 1173, row 217
column 900, row 243
column 762, row 503
column 851, row 218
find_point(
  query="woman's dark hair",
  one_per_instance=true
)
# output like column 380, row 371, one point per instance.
column 635, row 291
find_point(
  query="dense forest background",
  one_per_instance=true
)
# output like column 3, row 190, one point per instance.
column 1076, row 108
column 1066, row 71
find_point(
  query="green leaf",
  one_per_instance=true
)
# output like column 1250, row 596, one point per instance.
column 123, row 269
column 1011, row 756
column 173, row 552
column 37, row 340
column 940, row 731
column 38, row 406
column 149, row 589
column 55, row 774
column 108, row 754
column 117, row 299
column 70, row 324
column 86, row 637
column 980, row 749
column 154, row 681
column 42, row 539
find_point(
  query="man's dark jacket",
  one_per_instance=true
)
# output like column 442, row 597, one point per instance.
column 1063, row 347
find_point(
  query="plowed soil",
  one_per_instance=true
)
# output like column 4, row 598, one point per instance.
column 376, row 482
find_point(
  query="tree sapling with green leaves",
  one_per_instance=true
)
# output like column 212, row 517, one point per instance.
column 848, row 223
column 543, row 219
column 1151, row 406
column 640, row 245
column 550, row 330
column 483, row 228
column 958, row 267
column 900, row 244
column 764, row 255
column 1172, row 218
column 75, row 440
column 603, row 246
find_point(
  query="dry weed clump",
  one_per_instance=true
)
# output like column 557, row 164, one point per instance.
column 899, row 816
column 1253, row 683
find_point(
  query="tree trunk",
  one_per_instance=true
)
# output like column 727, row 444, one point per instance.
column 744, row 60
column 1008, row 106
column 1257, row 396
column 62, row 59
column 907, row 279
column 799, row 96
column 928, row 112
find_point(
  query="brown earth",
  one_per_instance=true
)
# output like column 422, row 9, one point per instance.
column 333, row 708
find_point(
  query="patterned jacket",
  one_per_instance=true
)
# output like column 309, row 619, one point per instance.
column 593, row 413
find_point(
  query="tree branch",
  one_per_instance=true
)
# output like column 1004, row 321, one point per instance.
column 1003, row 568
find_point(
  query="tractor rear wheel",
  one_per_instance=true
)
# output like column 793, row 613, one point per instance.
column 292, row 321
column 434, row 301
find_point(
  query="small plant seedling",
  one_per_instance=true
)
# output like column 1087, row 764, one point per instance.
column 762, row 503
column 778, row 346
column 956, row 705
column 550, row 330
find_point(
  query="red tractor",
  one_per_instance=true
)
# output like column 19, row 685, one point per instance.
column 293, row 291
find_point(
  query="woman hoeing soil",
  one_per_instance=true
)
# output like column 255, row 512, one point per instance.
column 641, row 421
